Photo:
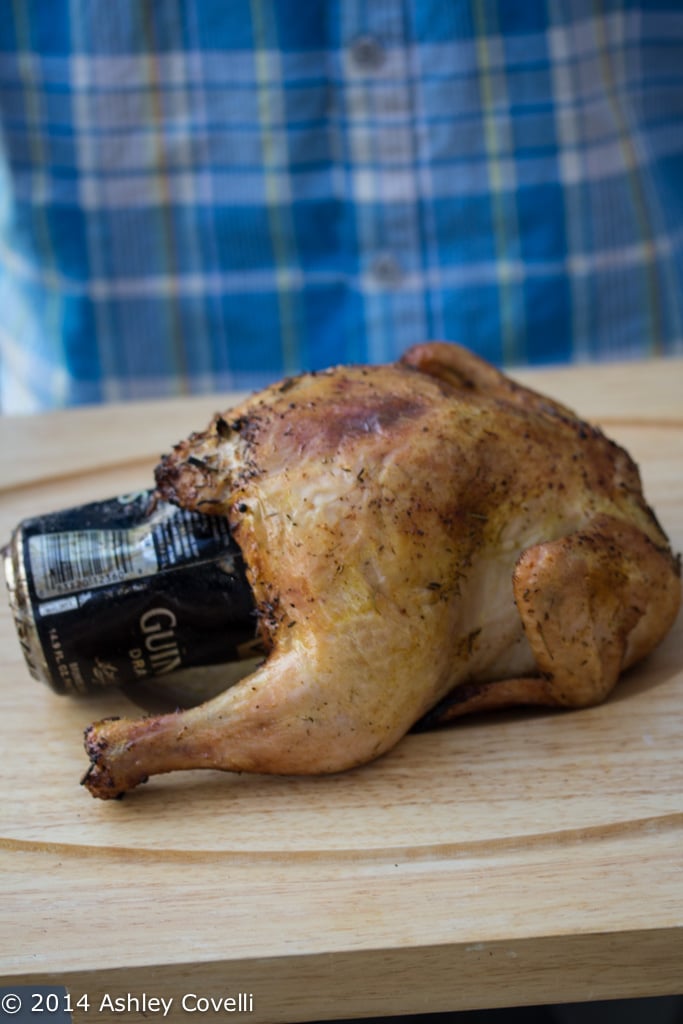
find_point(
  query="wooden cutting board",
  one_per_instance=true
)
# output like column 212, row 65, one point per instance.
column 520, row 858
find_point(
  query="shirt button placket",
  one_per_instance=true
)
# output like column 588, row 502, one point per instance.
column 367, row 55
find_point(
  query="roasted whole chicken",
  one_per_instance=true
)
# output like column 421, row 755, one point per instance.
column 424, row 539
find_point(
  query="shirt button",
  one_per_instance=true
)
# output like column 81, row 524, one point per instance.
column 367, row 53
column 386, row 269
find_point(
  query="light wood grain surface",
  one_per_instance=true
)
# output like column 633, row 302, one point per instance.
column 521, row 858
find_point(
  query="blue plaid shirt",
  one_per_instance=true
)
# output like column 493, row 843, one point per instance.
column 198, row 195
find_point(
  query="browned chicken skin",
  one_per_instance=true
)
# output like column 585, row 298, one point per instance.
column 424, row 539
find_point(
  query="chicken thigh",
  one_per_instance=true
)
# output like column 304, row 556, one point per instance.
column 423, row 539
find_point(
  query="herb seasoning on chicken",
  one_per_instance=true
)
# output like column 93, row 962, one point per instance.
column 423, row 539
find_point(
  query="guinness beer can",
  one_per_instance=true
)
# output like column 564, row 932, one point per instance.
column 126, row 590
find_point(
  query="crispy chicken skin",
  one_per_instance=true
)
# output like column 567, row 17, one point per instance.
column 423, row 539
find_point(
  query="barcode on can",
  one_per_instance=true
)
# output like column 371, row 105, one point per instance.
column 65, row 563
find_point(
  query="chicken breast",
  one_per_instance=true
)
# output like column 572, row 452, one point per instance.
column 423, row 539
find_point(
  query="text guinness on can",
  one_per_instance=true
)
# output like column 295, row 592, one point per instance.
column 126, row 590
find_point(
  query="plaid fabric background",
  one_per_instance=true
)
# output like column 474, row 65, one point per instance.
column 204, row 195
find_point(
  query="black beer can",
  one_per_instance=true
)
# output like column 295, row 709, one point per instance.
column 126, row 590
